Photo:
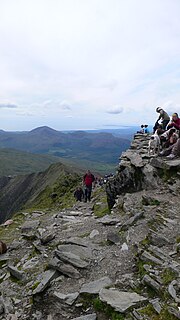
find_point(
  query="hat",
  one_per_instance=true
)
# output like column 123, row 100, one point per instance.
column 158, row 109
column 174, row 115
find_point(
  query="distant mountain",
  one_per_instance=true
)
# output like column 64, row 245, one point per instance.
column 99, row 147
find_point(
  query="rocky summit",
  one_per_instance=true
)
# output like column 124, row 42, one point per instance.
column 76, row 264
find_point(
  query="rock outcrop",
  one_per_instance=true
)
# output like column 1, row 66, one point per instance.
column 139, row 171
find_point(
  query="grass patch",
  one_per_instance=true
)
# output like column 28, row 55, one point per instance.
column 150, row 312
column 100, row 212
column 84, row 235
column 103, row 308
column 104, row 311
column 167, row 276
column 178, row 239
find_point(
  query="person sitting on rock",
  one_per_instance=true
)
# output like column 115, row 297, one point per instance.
column 173, row 151
column 175, row 122
column 163, row 116
column 158, row 127
column 146, row 130
column 79, row 194
column 168, row 138
column 141, row 130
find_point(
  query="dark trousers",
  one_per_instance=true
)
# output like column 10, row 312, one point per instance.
column 87, row 193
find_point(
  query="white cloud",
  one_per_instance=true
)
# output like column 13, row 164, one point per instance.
column 8, row 106
column 76, row 56
column 115, row 110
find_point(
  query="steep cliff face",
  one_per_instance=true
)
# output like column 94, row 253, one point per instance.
column 34, row 190
column 139, row 171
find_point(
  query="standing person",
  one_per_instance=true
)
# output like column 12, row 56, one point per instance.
column 163, row 116
column 88, row 180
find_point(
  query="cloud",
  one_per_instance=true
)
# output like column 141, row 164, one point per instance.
column 115, row 110
column 65, row 105
column 98, row 54
column 8, row 106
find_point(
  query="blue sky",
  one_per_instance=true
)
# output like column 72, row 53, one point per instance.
column 87, row 64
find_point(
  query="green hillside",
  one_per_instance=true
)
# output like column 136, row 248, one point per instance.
column 14, row 162
column 35, row 190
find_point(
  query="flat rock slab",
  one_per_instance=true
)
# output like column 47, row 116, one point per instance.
column 77, row 241
column 113, row 237
column 48, row 276
column 66, row 298
column 107, row 220
column 121, row 301
column 82, row 252
column 64, row 268
column 30, row 226
column 71, row 258
column 94, row 287
column 134, row 157
column 16, row 273
column 87, row 317
column 132, row 220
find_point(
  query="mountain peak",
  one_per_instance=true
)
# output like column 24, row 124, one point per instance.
column 43, row 129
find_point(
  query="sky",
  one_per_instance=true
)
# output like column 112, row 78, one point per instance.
column 88, row 64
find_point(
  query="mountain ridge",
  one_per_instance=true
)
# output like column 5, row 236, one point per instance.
column 97, row 147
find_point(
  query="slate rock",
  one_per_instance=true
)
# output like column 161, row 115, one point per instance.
column 64, row 268
column 29, row 226
column 66, row 298
column 87, row 317
column 121, row 301
column 47, row 277
column 47, row 238
column 132, row 220
column 107, row 220
column 152, row 283
column 82, row 252
column 95, row 286
column 18, row 274
column 72, row 259
column 113, row 237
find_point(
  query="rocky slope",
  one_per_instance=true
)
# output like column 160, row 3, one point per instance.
column 78, row 264
column 35, row 190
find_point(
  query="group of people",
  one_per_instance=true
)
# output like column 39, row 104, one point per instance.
column 144, row 129
column 88, row 181
column 169, row 133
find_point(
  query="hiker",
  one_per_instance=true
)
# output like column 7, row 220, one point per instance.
column 146, row 130
column 79, row 194
column 163, row 116
column 175, row 122
column 88, row 180
column 173, row 151
column 141, row 130
column 168, row 138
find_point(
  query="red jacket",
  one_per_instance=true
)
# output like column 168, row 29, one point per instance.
column 175, row 124
column 88, row 179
